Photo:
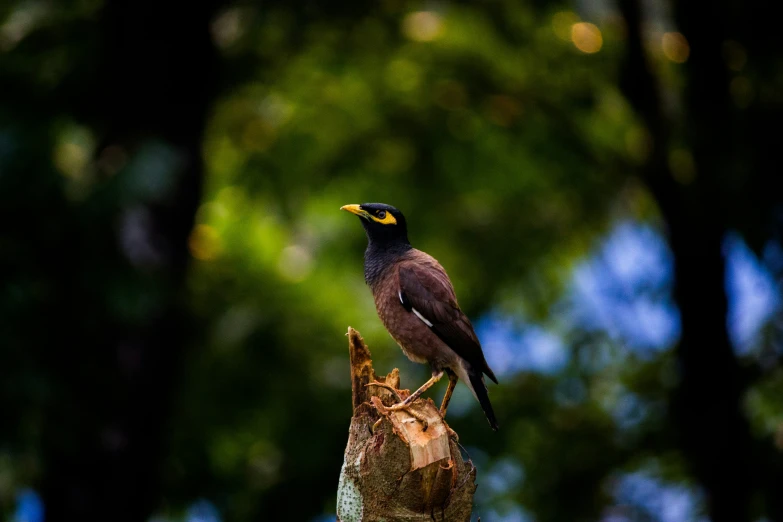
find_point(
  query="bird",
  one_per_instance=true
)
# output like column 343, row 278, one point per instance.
column 416, row 302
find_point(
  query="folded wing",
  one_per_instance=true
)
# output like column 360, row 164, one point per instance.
column 427, row 292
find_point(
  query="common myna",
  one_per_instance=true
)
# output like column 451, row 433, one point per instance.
column 416, row 303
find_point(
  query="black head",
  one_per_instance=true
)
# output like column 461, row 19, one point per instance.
column 384, row 224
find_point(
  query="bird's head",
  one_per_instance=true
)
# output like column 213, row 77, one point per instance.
column 384, row 224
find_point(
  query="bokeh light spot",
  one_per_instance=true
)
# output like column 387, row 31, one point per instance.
column 587, row 37
column 74, row 151
column 682, row 166
column 562, row 22
column 741, row 91
column 204, row 243
column 70, row 159
column 753, row 296
column 734, row 55
column 623, row 289
column 258, row 135
column 393, row 156
column 21, row 22
column 403, row 75
column 264, row 460
column 295, row 263
column 276, row 110
column 227, row 27
column 638, row 143
column 422, row 26
column 462, row 125
column 111, row 159
column 450, row 95
column 29, row 506
column 648, row 496
column 502, row 110
column 202, row 511
column 675, row 47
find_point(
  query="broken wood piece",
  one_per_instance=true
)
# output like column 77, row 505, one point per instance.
column 428, row 442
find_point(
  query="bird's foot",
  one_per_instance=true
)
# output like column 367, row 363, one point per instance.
column 401, row 406
column 406, row 406
column 387, row 387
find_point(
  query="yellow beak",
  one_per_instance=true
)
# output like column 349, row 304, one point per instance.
column 355, row 209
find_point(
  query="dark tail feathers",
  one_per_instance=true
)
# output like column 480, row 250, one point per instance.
column 477, row 382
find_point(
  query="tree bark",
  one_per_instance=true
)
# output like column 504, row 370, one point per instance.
column 401, row 470
column 114, row 372
column 714, row 435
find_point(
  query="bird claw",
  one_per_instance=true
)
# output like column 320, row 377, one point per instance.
column 402, row 406
column 386, row 386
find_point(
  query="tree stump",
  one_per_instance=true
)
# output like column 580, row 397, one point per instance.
column 400, row 471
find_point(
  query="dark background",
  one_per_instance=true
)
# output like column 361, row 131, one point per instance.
column 602, row 181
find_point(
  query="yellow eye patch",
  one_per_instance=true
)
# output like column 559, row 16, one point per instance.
column 388, row 219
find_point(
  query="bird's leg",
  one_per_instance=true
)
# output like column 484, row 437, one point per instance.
column 445, row 404
column 447, row 398
column 415, row 395
column 405, row 405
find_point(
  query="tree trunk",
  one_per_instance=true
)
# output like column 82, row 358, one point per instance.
column 401, row 470
column 706, row 407
column 114, row 369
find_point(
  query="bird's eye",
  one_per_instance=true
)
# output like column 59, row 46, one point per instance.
column 382, row 214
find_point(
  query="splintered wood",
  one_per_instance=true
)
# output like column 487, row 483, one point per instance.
column 426, row 445
column 395, row 469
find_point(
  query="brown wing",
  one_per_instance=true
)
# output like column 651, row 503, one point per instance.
column 428, row 290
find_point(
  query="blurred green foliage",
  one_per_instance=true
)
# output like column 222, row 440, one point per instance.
column 498, row 128
column 508, row 150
